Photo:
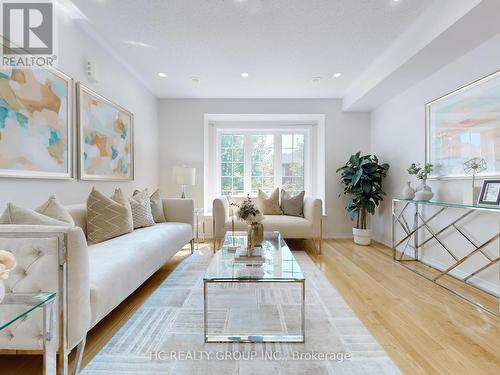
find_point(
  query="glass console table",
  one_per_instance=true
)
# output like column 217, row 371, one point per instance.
column 241, row 298
column 16, row 307
column 455, row 245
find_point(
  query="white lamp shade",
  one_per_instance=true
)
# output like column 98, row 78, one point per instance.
column 184, row 175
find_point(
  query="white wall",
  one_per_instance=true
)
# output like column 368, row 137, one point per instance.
column 116, row 84
column 181, row 142
column 398, row 136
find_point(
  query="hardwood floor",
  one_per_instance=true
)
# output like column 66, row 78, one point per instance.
column 424, row 328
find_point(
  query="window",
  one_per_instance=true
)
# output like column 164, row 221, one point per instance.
column 251, row 160
column 292, row 162
column 231, row 163
column 262, row 163
column 247, row 152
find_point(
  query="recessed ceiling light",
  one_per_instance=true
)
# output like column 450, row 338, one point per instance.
column 337, row 75
column 316, row 79
column 244, row 75
column 135, row 43
column 162, row 75
column 195, row 79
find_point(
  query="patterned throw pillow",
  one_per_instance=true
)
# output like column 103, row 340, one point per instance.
column 269, row 205
column 51, row 212
column 157, row 207
column 107, row 217
column 292, row 205
column 141, row 209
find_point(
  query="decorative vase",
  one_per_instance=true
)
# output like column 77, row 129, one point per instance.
column 2, row 290
column 408, row 192
column 250, row 237
column 424, row 192
column 258, row 234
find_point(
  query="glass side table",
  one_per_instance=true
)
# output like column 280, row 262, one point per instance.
column 199, row 213
column 17, row 306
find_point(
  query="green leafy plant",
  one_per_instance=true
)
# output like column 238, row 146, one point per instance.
column 248, row 212
column 419, row 171
column 362, row 179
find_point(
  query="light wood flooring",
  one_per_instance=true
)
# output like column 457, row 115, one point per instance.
column 424, row 328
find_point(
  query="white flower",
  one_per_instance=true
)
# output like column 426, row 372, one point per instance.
column 4, row 272
column 7, row 260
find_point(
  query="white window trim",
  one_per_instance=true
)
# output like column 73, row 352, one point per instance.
column 315, row 147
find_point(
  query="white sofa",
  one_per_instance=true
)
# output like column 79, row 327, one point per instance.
column 90, row 281
column 292, row 227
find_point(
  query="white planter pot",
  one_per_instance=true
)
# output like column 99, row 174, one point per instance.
column 2, row 290
column 362, row 236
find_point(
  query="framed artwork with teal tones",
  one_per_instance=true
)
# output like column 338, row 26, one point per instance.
column 463, row 125
column 36, row 124
column 105, row 138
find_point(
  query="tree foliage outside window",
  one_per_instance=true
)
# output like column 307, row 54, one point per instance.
column 232, row 164
column 292, row 162
column 252, row 161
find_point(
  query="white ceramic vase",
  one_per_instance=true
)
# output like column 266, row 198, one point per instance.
column 362, row 236
column 2, row 290
column 424, row 192
column 408, row 192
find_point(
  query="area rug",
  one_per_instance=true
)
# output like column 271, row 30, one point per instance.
column 165, row 335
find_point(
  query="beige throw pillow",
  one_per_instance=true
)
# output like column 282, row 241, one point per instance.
column 51, row 212
column 108, row 217
column 141, row 209
column 269, row 205
column 292, row 205
column 157, row 207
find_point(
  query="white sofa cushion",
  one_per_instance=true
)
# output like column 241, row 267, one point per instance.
column 120, row 265
column 288, row 226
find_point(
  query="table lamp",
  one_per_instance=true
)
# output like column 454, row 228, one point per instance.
column 184, row 176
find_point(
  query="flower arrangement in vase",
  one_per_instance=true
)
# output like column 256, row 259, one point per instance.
column 7, row 263
column 423, row 192
column 253, row 217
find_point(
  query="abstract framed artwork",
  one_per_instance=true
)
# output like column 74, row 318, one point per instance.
column 463, row 125
column 36, row 124
column 106, row 138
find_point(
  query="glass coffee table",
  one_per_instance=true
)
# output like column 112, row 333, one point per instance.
column 249, row 301
column 15, row 307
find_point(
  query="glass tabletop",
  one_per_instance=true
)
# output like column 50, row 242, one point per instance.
column 452, row 204
column 15, row 306
column 278, row 264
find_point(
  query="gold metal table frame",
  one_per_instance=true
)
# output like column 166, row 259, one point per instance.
column 419, row 224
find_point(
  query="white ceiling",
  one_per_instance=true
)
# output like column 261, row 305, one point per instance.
column 282, row 44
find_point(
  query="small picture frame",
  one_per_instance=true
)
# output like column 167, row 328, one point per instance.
column 490, row 193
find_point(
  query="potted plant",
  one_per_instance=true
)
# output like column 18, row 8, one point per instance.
column 423, row 192
column 253, row 217
column 362, row 179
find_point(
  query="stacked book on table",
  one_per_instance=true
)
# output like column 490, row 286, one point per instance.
column 241, row 255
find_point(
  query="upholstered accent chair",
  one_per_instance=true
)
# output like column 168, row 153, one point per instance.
column 90, row 280
column 291, row 227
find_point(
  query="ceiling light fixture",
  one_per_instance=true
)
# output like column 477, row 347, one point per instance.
column 337, row 75
column 316, row 79
column 162, row 75
column 245, row 75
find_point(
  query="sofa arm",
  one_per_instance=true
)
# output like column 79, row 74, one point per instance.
column 313, row 212
column 43, row 253
column 220, row 212
column 179, row 210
